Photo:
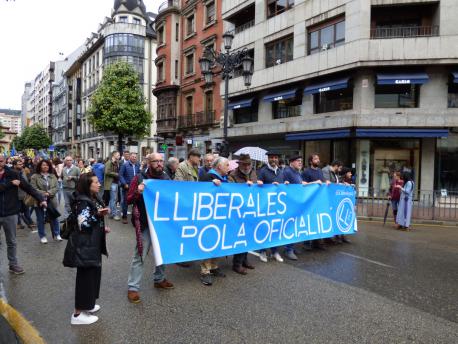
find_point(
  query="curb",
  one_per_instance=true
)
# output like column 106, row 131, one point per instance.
column 414, row 222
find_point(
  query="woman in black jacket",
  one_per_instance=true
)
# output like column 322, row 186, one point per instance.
column 85, row 247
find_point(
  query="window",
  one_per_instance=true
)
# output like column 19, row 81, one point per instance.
column 280, row 51
column 160, row 71
column 286, row 108
column 246, row 114
column 176, row 69
column 160, row 35
column 210, row 13
column 326, row 36
column 190, row 64
column 338, row 100
column 137, row 21
column 397, row 96
column 275, row 7
column 190, row 25
column 188, row 105
column 177, row 31
column 123, row 19
column 453, row 95
column 208, row 101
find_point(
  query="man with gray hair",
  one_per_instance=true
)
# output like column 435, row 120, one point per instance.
column 208, row 161
column 171, row 167
column 70, row 176
column 217, row 174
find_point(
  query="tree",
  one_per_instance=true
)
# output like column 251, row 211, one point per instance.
column 34, row 137
column 118, row 104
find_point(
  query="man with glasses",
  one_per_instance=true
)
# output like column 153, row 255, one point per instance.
column 155, row 170
column 70, row 176
column 10, row 180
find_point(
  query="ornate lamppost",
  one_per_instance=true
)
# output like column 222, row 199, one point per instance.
column 228, row 62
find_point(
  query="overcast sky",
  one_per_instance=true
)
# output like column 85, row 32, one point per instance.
column 34, row 32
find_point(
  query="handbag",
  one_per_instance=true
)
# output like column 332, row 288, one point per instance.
column 29, row 201
column 52, row 212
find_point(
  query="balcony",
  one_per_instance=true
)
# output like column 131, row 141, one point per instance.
column 244, row 26
column 166, row 124
column 404, row 32
column 168, row 4
column 197, row 120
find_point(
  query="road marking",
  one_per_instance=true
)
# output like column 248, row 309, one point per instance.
column 24, row 330
column 366, row 259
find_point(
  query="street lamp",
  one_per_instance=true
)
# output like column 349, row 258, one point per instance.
column 228, row 62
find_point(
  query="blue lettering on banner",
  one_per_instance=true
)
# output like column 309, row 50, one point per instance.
column 191, row 221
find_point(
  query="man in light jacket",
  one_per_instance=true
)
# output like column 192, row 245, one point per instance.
column 70, row 177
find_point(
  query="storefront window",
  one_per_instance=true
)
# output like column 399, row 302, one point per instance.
column 246, row 114
column 453, row 95
column 338, row 100
column 447, row 163
column 397, row 96
column 286, row 108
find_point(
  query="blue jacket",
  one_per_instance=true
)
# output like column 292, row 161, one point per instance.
column 99, row 170
column 127, row 173
column 311, row 175
column 268, row 176
column 292, row 176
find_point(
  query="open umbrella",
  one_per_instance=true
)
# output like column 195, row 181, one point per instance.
column 255, row 153
column 386, row 212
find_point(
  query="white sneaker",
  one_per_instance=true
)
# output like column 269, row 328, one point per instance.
column 278, row 258
column 83, row 319
column 44, row 240
column 59, row 238
column 116, row 218
column 263, row 257
column 95, row 309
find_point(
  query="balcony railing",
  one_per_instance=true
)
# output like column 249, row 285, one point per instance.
column 244, row 26
column 199, row 119
column 166, row 124
column 404, row 32
column 167, row 4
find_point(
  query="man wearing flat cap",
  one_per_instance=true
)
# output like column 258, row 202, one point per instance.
column 244, row 173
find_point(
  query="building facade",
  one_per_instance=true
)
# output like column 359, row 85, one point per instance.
column 127, row 35
column 41, row 98
column 187, row 107
column 11, row 120
column 25, row 105
column 371, row 83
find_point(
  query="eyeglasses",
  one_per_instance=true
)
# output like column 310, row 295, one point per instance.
column 157, row 161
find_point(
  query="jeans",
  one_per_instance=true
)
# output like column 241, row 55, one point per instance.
column 124, row 201
column 136, row 267
column 60, row 190
column 67, row 197
column 9, row 226
column 113, row 199
column 24, row 214
column 41, row 223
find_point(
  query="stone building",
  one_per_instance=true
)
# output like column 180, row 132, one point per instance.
column 372, row 83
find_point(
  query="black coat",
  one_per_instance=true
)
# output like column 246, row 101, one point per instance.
column 9, row 201
column 86, row 245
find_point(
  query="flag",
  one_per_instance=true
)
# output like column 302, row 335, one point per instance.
column 13, row 151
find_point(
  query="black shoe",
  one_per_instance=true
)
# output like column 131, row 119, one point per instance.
column 217, row 273
column 184, row 265
column 345, row 240
column 206, row 279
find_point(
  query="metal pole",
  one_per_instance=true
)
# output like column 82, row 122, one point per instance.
column 226, row 109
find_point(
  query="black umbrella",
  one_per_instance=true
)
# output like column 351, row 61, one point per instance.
column 386, row 212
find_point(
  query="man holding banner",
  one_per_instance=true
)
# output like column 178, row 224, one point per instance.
column 246, row 174
column 155, row 170
column 217, row 174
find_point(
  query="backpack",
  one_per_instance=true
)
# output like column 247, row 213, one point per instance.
column 71, row 222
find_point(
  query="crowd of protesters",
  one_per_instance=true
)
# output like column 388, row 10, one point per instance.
column 92, row 191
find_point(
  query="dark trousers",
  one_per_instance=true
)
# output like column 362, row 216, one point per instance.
column 24, row 214
column 106, row 197
column 239, row 259
column 87, row 287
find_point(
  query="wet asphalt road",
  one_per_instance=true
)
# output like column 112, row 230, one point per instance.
column 386, row 286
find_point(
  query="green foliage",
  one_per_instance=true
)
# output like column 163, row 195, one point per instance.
column 118, row 104
column 34, row 137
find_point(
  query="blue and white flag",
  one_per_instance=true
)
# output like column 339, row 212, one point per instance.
column 190, row 221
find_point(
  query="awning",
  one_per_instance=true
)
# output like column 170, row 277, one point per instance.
column 398, row 133
column 327, row 86
column 280, row 96
column 402, row 79
column 455, row 77
column 240, row 104
column 318, row 135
